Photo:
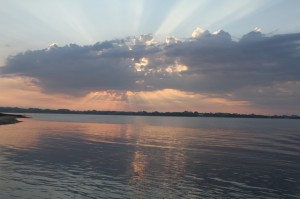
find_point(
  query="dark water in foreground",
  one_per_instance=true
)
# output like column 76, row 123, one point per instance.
column 78, row 156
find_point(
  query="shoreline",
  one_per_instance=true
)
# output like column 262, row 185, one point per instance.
column 17, row 110
column 10, row 118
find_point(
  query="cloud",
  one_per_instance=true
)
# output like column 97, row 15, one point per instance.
column 52, row 46
column 199, row 32
column 210, row 63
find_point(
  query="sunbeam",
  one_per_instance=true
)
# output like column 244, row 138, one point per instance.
column 137, row 12
column 223, row 15
column 181, row 11
column 140, row 54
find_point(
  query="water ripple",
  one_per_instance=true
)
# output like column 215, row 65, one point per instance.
column 41, row 159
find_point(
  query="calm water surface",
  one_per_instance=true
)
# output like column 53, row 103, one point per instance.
column 84, row 156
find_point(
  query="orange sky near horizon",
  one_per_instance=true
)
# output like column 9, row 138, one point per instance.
column 19, row 92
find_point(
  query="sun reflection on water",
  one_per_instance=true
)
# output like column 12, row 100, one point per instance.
column 139, row 159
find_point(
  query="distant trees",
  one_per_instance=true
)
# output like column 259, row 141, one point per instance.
column 143, row 113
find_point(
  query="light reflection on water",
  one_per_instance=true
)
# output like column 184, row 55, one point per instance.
column 150, row 159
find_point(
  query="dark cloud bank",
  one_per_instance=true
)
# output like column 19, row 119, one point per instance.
column 257, row 68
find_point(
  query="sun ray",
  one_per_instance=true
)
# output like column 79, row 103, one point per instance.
column 181, row 11
column 223, row 16
column 138, row 12
column 72, row 18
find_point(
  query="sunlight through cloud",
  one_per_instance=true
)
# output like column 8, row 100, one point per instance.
column 180, row 12
column 224, row 15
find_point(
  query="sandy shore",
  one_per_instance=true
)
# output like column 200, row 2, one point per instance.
column 10, row 118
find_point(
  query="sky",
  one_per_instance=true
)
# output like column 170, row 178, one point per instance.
column 133, row 55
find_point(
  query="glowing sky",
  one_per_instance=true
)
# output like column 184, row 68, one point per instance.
column 151, row 55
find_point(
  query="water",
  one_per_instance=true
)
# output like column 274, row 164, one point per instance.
column 84, row 156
